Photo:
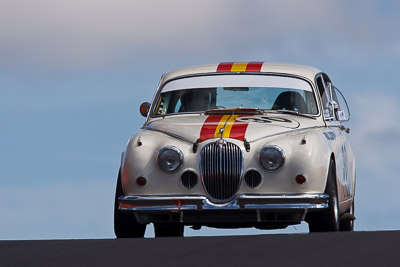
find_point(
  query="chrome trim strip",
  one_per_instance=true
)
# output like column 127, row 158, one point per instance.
column 158, row 208
column 288, row 196
column 285, row 206
column 161, row 198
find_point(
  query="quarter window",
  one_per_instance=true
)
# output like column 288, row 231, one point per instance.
column 342, row 113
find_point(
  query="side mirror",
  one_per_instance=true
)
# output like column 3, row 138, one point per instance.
column 144, row 108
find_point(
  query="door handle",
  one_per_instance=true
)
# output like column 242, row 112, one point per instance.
column 347, row 130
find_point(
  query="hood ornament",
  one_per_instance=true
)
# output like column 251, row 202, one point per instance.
column 221, row 131
column 221, row 142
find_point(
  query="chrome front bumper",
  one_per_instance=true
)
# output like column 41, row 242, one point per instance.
column 198, row 203
column 260, row 211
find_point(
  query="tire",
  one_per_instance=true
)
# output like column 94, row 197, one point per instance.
column 168, row 229
column 327, row 220
column 125, row 224
column 347, row 224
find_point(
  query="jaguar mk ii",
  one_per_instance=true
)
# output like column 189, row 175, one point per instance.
column 239, row 145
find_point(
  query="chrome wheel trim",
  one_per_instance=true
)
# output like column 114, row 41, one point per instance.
column 335, row 211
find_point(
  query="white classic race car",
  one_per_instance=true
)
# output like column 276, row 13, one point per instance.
column 245, row 144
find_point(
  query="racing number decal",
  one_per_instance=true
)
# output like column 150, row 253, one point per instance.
column 264, row 119
column 330, row 136
column 276, row 121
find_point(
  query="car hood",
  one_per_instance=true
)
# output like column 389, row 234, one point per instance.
column 252, row 127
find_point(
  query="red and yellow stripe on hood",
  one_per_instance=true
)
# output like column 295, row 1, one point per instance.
column 232, row 129
column 239, row 67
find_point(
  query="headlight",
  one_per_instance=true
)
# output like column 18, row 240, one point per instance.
column 271, row 158
column 170, row 158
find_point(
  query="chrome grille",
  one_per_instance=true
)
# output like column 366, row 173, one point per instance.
column 221, row 169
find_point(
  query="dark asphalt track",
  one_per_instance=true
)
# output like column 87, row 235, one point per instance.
column 321, row 249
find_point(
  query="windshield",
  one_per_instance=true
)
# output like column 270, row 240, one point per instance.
column 264, row 92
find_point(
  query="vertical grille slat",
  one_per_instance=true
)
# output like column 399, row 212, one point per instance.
column 221, row 169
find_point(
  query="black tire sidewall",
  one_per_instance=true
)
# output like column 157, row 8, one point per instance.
column 328, row 219
column 332, row 213
column 125, row 224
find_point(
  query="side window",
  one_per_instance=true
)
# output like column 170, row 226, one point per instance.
column 342, row 112
column 323, row 88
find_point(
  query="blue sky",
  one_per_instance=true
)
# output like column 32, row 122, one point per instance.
column 73, row 74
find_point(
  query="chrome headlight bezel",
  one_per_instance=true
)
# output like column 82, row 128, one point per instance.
column 162, row 160
column 276, row 157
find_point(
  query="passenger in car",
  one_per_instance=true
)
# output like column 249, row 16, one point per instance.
column 290, row 101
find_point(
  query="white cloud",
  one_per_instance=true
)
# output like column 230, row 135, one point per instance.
column 91, row 31
column 87, row 33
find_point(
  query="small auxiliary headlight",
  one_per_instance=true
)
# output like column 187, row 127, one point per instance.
column 170, row 158
column 271, row 158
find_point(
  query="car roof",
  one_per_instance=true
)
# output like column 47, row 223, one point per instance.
column 248, row 67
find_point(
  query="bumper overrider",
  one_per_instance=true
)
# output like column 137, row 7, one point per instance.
column 244, row 208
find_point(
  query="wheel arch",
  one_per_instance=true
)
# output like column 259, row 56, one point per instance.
column 332, row 158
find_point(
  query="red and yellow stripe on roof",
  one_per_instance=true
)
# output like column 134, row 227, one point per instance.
column 240, row 66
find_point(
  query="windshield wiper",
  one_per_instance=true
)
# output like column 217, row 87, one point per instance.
column 294, row 112
column 232, row 111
